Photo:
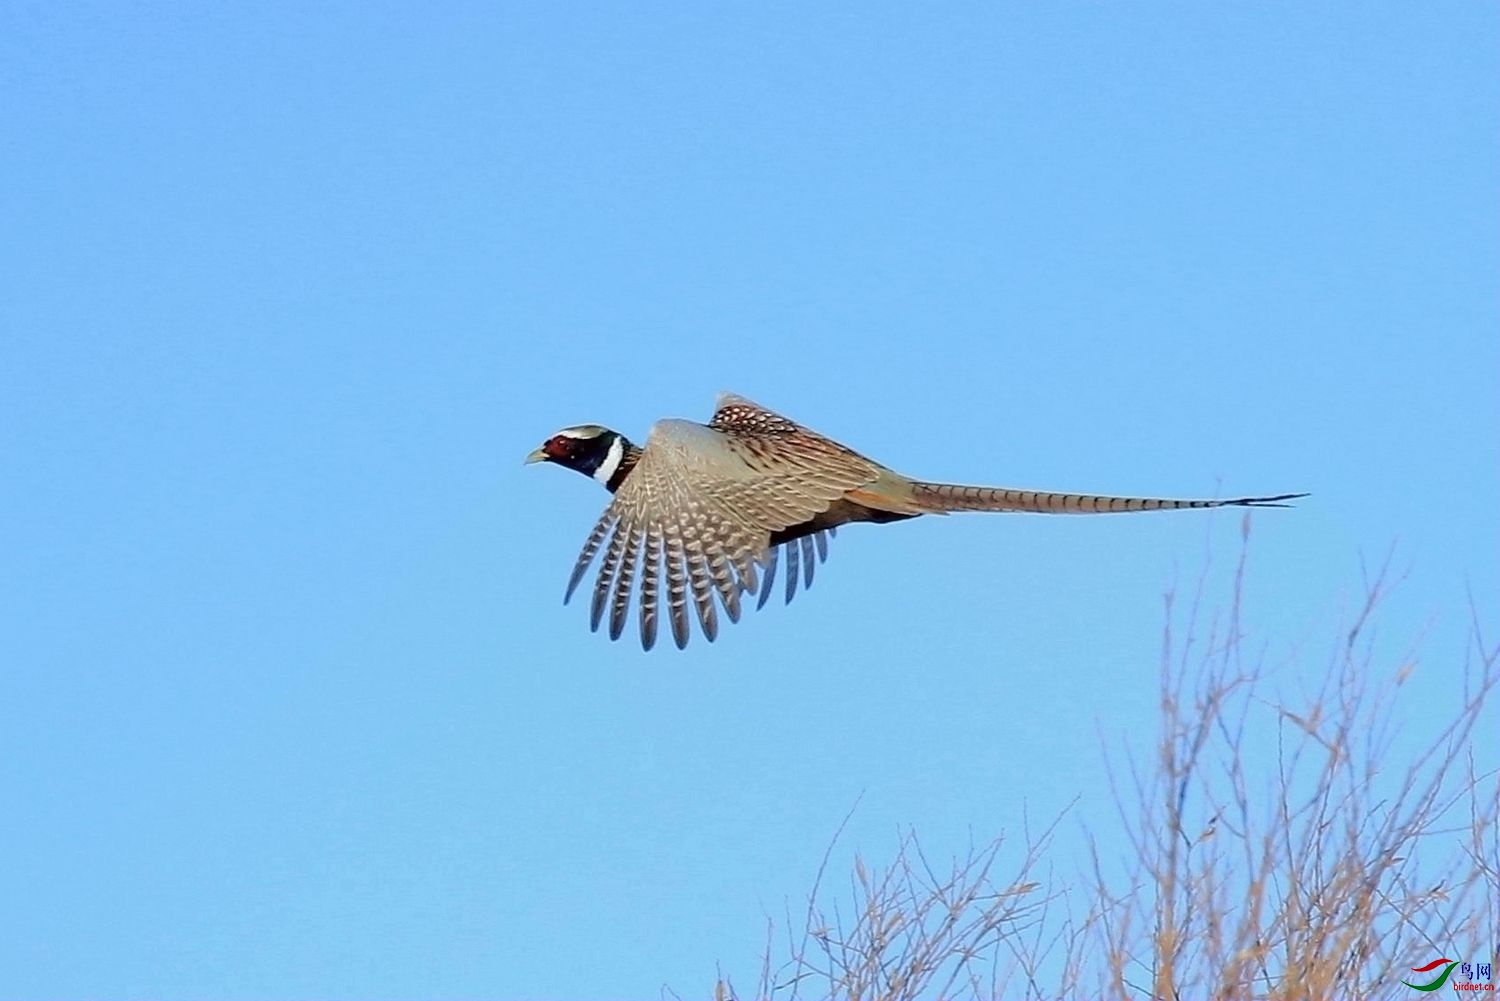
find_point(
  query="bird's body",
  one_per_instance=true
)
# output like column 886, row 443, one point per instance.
column 705, row 509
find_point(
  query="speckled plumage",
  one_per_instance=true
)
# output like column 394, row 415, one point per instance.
column 702, row 511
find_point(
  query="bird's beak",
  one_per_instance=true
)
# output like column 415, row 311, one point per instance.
column 537, row 455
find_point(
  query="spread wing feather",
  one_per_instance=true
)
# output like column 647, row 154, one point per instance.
column 677, row 588
column 725, row 580
column 699, row 509
column 650, row 579
column 587, row 555
column 794, row 556
column 769, row 579
column 703, row 591
column 607, row 572
column 793, row 561
column 623, row 581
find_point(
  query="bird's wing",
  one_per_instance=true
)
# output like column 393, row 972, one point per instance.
column 803, row 555
column 699, row 508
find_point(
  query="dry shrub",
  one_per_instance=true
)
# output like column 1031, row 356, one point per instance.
column 1321, row 867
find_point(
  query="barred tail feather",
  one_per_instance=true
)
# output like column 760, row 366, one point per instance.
column 944, row 497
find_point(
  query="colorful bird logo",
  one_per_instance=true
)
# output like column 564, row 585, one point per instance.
column 1432, row 966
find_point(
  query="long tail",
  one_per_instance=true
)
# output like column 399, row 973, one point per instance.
column 943, row 497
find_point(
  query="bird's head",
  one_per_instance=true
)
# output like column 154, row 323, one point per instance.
column 594, row 451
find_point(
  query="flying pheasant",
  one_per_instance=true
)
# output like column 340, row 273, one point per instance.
column 704, row 507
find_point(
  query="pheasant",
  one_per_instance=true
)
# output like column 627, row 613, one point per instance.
column 705, row 509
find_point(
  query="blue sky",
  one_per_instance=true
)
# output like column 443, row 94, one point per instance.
column 291, row 705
